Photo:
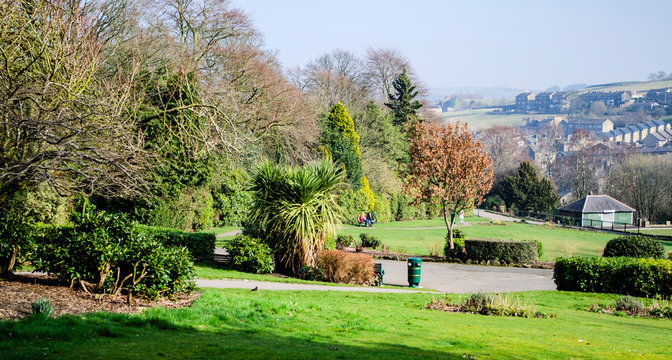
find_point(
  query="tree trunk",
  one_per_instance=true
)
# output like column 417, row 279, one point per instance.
column 449, row 224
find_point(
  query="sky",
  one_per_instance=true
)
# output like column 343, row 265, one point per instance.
column 477, row 43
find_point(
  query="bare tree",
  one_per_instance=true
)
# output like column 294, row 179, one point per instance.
column 61, row 122
column 381, row 67
column 643, row 182
column 332, row 78
column 502, row 144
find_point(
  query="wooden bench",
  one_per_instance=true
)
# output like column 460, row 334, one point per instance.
column 378, row 273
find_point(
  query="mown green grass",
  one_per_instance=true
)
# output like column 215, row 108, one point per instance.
column 239, row 324
column 417, row 240
column 666, row 232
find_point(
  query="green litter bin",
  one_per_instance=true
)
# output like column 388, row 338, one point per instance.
column 414, row 272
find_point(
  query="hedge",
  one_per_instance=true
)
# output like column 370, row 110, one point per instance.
column 634, row 246
column 621, row 275
column 519, row 252
column 201, row 245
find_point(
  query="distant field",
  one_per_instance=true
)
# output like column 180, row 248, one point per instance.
column 630, row 85
column 479, row 119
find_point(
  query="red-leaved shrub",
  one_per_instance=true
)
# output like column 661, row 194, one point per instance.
column 344, row 267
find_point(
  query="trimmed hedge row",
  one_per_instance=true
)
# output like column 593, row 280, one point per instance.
column 201, row 245
column 621, row 275
column 519, row 252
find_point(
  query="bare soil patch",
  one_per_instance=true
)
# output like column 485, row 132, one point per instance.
column 19, row 291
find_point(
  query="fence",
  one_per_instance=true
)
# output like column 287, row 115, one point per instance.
column 576, row 222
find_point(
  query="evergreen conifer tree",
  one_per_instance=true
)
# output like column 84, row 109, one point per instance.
column 402, row 102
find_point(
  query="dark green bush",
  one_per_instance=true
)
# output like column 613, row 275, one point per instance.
column 634, row 246
column 201, row 245
column 250, row 255
column 519, row 252
column 16, row 240
column 107, row 253
column 369, row 241
column 343, row 240
column 458, row 242
column 311, row 273
column 619, row 275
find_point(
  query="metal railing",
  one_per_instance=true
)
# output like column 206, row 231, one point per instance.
column 568, row 221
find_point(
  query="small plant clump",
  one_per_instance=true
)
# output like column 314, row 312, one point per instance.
column 343, row 241
column 369, row 241
column 487, row 304
column 42, row 308
column 630, row 306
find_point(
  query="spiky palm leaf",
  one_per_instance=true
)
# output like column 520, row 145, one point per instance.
column 295, row 210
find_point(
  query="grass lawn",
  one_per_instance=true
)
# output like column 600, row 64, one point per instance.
column 239, row 324
column 666, row 232
column 413, row 237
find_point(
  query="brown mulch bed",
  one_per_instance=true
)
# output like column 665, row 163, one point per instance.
column 17, row 292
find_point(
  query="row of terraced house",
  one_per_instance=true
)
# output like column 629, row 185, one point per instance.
column 559, row 101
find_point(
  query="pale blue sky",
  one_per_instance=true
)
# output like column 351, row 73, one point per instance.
column 517, row 43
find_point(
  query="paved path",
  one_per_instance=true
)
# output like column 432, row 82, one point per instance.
column 498, row 217
column 450, row 278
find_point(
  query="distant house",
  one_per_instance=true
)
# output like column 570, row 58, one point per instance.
column 525, row 101
column 599, row 211
column 615, row 99
column 596, row 126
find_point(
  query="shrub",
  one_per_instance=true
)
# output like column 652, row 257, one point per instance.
column 201, row 245
column 42, row 308
column 311, row 273
column 634, row 246
column 250, row 255
column 343, row 267
column 620, row 275
column 343, row 241
column 519, row 252
column 107, row 253
column 16, row 240
column 458, row 242
column 628, row 303
column 369, row 241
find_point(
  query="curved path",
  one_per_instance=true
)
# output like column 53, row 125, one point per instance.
column 449, row 278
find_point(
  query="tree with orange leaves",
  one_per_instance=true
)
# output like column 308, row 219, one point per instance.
column 448, row 167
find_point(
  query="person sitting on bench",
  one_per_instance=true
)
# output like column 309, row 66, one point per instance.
column 370, row 220
column 362, row 220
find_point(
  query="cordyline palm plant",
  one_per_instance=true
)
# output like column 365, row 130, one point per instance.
column 295, row 210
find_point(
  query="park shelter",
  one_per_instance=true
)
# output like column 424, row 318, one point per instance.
column 599, row 211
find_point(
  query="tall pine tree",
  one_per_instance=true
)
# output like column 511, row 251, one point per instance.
column 402, row 102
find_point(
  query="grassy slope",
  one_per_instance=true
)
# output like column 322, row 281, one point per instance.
column 239, row 324
column 479, row 119
column 639, row 86
column 557, row 241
